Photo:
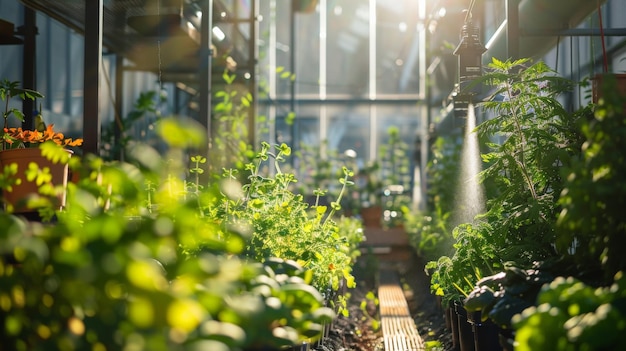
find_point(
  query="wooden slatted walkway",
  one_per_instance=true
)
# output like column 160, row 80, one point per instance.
column 399, row 329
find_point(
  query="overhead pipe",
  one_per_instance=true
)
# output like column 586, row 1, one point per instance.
column 536, row 16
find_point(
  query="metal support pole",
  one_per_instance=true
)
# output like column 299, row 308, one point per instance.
column 119, row 103
column 205, row 68
column 118, row 132
column 92, row 68
column 252, row 63
column 29, row 65
column 573, row 32
column 512, row 28
column 292, row 67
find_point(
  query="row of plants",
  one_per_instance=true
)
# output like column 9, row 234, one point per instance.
column 429, row 231
column 543, row 261
column 382, row 192
column 157, row 253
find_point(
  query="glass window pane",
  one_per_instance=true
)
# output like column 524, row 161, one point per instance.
column 349, row 129
column 397, row 47
column 307, row 58
column 404, row 120
column 348, row 48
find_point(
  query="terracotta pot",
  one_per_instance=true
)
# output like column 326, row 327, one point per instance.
column 372, row 216
column 18, row 197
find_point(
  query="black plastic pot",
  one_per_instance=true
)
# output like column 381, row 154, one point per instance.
column 302, row 347
column 486, row 334
column 506, row 339
column 454, row 326
column 466, row 335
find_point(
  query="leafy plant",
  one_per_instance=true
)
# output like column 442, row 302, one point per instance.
column 144, row 258
column 283, row 225
column 116, row 136
column 387, row 180
column 395, row 163
column 537, row 137
column 10, row 89
column 41, row 132
column 591, row 225
column 318, row 171
column 502, row 295
column 429, row 231
column 231, row 147
column 571, row 315
column 368, row 304
column 453, row 277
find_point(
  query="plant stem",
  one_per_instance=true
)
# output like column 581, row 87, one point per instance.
column 520, row 161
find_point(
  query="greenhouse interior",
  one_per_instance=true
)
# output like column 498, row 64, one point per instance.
column 313, row 175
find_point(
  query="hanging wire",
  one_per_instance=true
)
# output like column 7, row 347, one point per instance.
column 605, row 60
column 558, row 45
column 468, row 15
column 159, row 63
column 592, row 67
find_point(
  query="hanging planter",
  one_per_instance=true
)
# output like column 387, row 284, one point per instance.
column 613, row 82
column 30, row 170
column 607, row 82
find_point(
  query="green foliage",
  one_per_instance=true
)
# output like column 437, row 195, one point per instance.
column 502, row 295
column 443, row 172
column 388, row 179
column 592, row 223
column 9, row 90
column 475, row 255
column 144, row 258
column 368, row 305
column 428, row 234
column 429, row 231
column 571, row 315
column 395, row 160
column 318, row 171
column 144, row 109
column 535, row 137
column 231, row 147
column 283, row 225
column 531, row 136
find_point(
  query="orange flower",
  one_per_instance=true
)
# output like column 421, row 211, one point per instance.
column 24, row 137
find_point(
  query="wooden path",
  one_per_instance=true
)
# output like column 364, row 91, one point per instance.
column 399, row 329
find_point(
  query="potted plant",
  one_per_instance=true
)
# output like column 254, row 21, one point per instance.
column 385, row 183
column 34, row 162
column 370, row 194
column 530, row 137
